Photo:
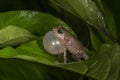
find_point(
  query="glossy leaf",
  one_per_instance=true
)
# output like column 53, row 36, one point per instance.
column 91, row 11
column 110, row 22
column 15, row 69
column 112, row 12
column 100, row 66
column 34, row 21
column 87, row 9
column 32, row 52
column 106, row 63
column 96, row 41
column 12, row 36
column 103, row 65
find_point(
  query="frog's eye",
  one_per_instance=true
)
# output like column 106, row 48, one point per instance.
column 60, row 31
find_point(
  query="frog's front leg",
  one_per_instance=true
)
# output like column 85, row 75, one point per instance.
column 65, row 55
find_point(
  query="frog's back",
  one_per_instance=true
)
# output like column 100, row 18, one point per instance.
column 76, row 48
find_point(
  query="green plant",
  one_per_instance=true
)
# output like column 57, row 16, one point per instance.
column 22, row 53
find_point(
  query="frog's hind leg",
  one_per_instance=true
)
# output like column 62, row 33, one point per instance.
column 76, row 57
column 80, row 55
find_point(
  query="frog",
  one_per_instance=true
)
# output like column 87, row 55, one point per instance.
column 69, row 42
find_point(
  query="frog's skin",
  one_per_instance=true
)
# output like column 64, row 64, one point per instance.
column 71, row 43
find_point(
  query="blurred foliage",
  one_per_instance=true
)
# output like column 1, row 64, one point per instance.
column 95, row 22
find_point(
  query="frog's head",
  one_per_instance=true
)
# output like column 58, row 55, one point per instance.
column 59, row 32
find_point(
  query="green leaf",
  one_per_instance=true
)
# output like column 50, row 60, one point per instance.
column 110, row 22
column 15, row 69
column 98, row 39
column 86, row 9
column 32, row 52
column 105, row 65
column 115, row 63
column 112, row 12
column 91, row 11
column 95, row 39
column 12, row 36
column 34, row 21
column 100, row 66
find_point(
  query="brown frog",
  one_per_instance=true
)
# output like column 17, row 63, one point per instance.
column 69, row 42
